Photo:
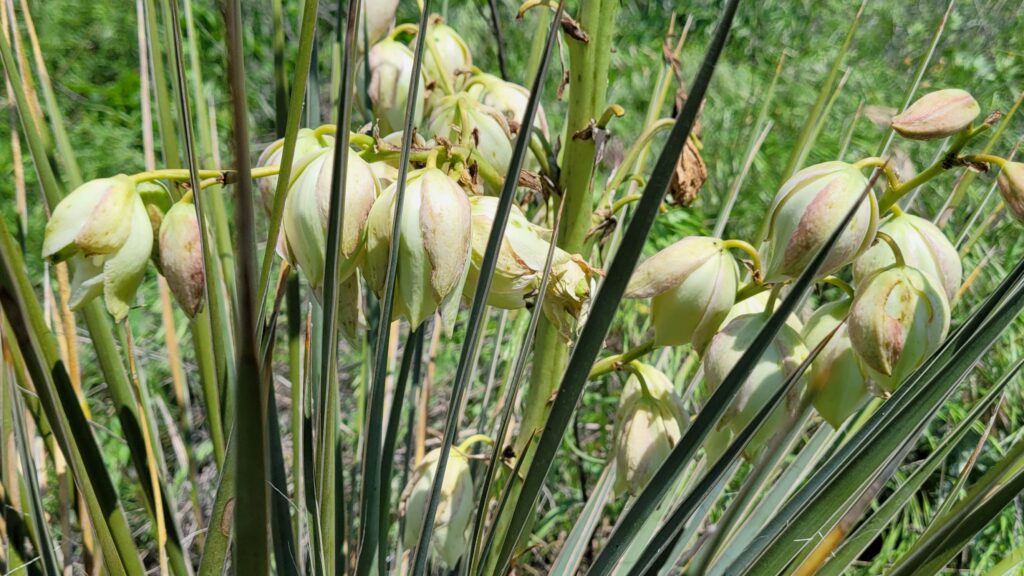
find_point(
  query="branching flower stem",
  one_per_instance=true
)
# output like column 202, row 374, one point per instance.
column 620, row 361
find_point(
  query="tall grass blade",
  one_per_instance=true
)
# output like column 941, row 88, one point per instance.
column 889, row 432
column 219, row 530
column 955, row 530
column 816, row 117
column 369, row 536
column 251, row 519
column 62, row 408
column 43, row 541
column 591, row 339
column 330, row 466
column 307, row 38
column 861, row 538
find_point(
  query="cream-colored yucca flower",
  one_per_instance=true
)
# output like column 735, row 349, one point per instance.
column 779, row 361
column 307, row 144
column 506, row 97
column 462, row 120
column 649, row 423
column 692, row 284
column 806, row 210
column 104, row 227
column 181, row 255
column 94, row 219
column 307, row 209
column 390, row 81
column 1011, row 188
column 899, row 316
column 924, row 247
column 455, row 507
column 837, row 378
column 520, row 266
column 433, row 254
column 445, row 54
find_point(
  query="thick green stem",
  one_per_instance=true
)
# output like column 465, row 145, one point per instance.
column 588, row 87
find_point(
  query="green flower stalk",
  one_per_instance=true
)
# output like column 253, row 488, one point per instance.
column 782, row 359
column 692, row 284
column 899, row 316
column 520, row 267
column 307, row 143
column 390, row 79
column 649, row 423
column 181, row 255
column 807, row 209
column 434, row 250
column 1011, row 187
column 923, row 246
column 306, row 212
column 837, row 378
column 937, row 115
column 462, row 120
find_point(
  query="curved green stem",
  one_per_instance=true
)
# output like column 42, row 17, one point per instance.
column 182, row 175
column 839, row 283
column 619, row 361
column 751, row 289
column 946, row 161
column 624, row 201
column 474, row 439
column 887, row 169
column 750, row 250
column 986, row 158
column 403, row 28
column 896, row 252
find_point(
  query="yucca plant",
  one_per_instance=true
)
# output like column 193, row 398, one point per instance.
column 406, row 324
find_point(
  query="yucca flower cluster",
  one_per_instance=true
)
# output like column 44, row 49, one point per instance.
column 902, row 275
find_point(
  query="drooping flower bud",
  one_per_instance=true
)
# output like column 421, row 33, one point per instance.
column 307, row 143
column 181, row 255
column 924, row 247
column 937, row 115
column 1011, row 187
column 520, row 266
column 434, row 249
column 839, row 381
column 390, row 82
column 378, row 17
column 94, row 219
column 693, row 286
column 464, row 121
column 778, row 362
column 506, row 97
column 805, row 212
column 446, row 53
column 116, row 276
column 455, row 506
column 899, row 317
column 649, row 423
column 307, row 209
